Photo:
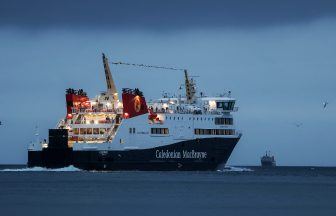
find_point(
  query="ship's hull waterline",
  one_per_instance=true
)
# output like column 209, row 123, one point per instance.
column 197, row 154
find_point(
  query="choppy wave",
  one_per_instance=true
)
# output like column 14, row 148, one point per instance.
column 42, row 169
column 235, row 169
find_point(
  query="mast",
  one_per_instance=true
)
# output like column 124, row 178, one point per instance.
column 190, row 88
column 37, row 135
column 111, row 88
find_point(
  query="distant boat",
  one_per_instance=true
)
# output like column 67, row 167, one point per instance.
column 267, row 160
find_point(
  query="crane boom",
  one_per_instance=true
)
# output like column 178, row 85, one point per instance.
column 190, row 88
column 111, row 88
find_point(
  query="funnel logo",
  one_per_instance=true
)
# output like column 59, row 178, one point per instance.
column 137, row 104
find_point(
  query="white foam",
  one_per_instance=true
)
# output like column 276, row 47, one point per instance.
column 42, row 169
column 235, row 169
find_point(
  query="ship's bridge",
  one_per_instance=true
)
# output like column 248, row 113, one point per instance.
column 203, row 105
column 220, row 104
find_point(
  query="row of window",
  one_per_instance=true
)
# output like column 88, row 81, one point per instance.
column 228, row 120
column 214, row 131
column 159, row 131
column 89, row 131
column 174, row 118
column 223, row 121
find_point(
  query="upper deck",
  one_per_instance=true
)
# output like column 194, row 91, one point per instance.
column 202, row 106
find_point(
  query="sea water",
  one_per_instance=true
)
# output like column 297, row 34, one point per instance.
column 229, row 191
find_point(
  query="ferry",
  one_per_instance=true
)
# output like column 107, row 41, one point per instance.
column 190, row 131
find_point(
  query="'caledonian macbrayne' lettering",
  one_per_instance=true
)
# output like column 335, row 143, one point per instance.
column 178, row 154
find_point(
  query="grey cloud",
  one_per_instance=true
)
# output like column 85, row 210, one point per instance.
column 160, row 15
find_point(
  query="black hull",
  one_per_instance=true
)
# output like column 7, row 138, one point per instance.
column 199, row 154
column 268, row 164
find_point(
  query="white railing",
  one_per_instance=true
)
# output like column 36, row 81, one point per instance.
column 203, row 112
column 81, row 111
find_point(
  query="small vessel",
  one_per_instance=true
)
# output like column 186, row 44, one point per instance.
column 268, row 160
column 184, row 132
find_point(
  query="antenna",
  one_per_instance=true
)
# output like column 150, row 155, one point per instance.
column 149, row 66
column 189, row 83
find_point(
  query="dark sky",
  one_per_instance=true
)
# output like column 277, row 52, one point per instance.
column 277, row 58
column 161, row 15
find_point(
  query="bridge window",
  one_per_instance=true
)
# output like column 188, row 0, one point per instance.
column 228, row 105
